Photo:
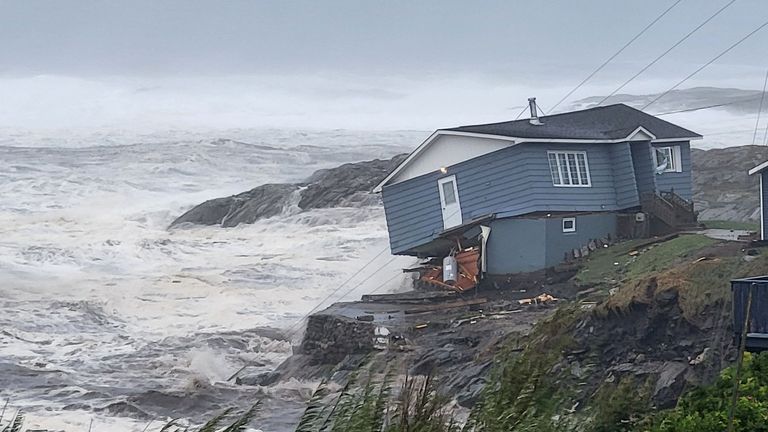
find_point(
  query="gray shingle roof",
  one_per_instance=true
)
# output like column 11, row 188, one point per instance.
column 610, row 122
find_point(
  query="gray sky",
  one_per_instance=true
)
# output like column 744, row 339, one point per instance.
column 437, row 36
column 377, row 49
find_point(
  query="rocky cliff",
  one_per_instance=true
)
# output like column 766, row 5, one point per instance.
column 721, row 187
column 345, row 185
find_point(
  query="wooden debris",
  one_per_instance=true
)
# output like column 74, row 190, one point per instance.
column 540, row 299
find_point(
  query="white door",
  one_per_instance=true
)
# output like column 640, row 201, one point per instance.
column 449, row 201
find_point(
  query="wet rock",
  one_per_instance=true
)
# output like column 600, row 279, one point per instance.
column 471, row 394
column 669, row 384
column 346, row 185
column 330, row 338
column 262, row 379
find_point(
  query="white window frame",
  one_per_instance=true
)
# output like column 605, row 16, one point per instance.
column 676, row 159
column 561, row 172
column 572, row 229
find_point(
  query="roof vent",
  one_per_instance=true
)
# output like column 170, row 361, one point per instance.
column 534, row 114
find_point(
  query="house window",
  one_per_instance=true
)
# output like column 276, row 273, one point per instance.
column 569, row 169
column 667, row 159
column 569, row 225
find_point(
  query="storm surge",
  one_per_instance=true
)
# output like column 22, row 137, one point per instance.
column 107, row 314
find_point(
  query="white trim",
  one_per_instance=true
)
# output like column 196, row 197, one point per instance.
column 569, row 230
column 663, row 140
column 676, row 159
column 762, row 207
column 758, row 168
column 578, row 170
column 641, row 130
column 514, row 141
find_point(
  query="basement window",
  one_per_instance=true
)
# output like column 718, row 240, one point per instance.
column 569, row 168
column 569, row 225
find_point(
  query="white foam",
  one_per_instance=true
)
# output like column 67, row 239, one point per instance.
column 97, row 293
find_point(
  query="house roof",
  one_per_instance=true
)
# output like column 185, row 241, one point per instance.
column 610, row 122
column 607, row 124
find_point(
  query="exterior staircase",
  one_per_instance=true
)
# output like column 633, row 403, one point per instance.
column 670, row 208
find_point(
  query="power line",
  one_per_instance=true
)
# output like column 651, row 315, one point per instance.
column 605, row 63
column 360, row 270
column 715, row 58
column 706, row 106
column 675, row 45
column 760, row 109
column 765, row 137
column 521, row 112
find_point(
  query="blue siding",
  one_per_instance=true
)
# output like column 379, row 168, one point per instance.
column 515, row 246
column 679, row 182
column 512, row 181
column 764, row 203
column 588, row 227
column 624, row 176
column 529, row 244
column 642, row 158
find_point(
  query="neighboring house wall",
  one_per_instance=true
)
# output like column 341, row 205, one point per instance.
column 513, row 181
column 680, row 182
column 624, row 176
column 528, row 244
column 764, row 204
column 588, row 227
column 447, row 150
column 642, row 159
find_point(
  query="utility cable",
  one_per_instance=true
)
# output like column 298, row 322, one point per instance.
column 292, row 328
column 605, row 63
column 760, row 109
column 747, row 99
column 662, row 55
column 705, row 65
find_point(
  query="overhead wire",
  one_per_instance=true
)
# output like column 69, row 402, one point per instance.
column 760, row 108
column 705, row 65
column 662, row 55
column 747, row 99
column 614, row 55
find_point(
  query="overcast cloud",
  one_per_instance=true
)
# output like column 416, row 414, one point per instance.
column 346, row 50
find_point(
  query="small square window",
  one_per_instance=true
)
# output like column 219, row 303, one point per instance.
column 569, row 225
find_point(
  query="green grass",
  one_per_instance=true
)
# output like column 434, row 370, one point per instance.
column 614, row 264
column 734, row 225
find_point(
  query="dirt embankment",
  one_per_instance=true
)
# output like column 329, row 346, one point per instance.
column 636, row 326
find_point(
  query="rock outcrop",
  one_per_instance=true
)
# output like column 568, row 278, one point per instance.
column 722, row 190
column 347, row 185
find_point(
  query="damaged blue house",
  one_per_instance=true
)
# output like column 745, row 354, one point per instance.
column 532, row 193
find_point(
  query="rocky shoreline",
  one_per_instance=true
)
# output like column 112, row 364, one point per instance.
column 348, row 185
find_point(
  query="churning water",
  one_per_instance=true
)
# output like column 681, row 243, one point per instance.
column 107, row 316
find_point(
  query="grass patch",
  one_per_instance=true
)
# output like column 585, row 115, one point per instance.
column 699, row 285
column 733, row 225
column 615, row 264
